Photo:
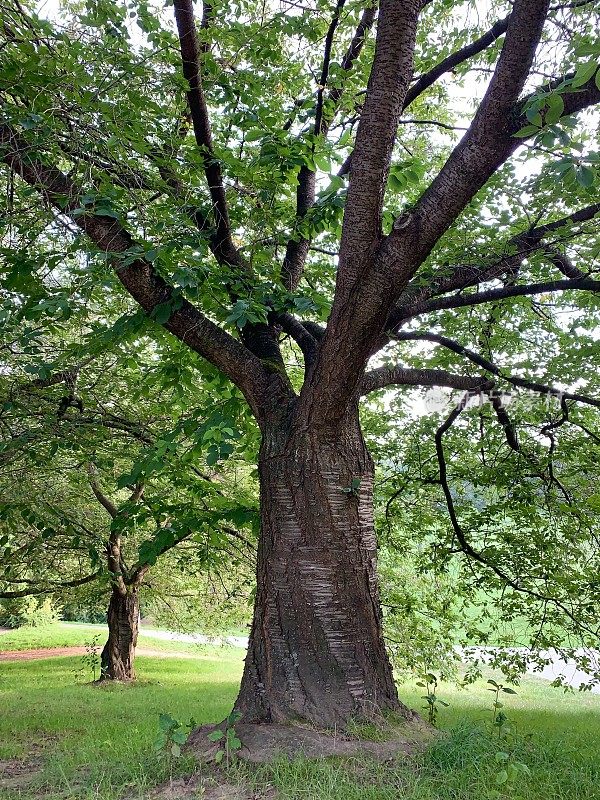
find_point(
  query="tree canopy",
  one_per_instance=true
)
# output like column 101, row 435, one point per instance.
column 296, row 206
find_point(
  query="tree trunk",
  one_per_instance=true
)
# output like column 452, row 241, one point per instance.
column 119, row 651
column 316, row 649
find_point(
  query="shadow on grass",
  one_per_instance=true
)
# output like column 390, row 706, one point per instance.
column 97, row 742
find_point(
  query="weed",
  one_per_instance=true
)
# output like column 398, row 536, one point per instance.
column 430, row 683
column 231, row 742
column 90, row 662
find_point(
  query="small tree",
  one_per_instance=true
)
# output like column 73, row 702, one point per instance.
column 58, row 520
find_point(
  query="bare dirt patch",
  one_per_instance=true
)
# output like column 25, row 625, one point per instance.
column 263, row 743
column 212, row 788
column 49, row 652
column 57, row 652
column 16, row 774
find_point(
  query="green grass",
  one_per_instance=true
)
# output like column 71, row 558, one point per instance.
column 556, row 735
column 58, row 635
column 96, row 742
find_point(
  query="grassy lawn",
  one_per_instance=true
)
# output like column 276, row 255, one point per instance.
column 68, row 634
column 96, row 742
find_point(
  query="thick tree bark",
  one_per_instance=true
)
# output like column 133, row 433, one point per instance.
column 119, row 651
column 316, row 649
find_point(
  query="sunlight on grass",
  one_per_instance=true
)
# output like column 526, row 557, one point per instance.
column 92, row 741
column 64, row 634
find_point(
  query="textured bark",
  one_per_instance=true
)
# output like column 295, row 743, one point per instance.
column 316, row 648
column 119, row 651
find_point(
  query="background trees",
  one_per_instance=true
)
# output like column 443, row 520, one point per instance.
column 232, row 232
column 98, row 483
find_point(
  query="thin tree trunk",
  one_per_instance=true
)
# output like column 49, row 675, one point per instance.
column 119, row 651
column 316, row 649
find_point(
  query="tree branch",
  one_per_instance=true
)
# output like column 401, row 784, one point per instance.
column 50, row 588
column 329, row 390
column 486, row 145
column 382, row 377
column 297, row 248
column 375, row 136
column 139, row 277
column 190, row 56
column 459, row 533
column 300, row 334
column 492, row 368
column 492, row 295
column 104, row 501
column 413, row 300
column 318, row 128
column 459, row 57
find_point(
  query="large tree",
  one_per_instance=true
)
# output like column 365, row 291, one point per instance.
column 218, row 213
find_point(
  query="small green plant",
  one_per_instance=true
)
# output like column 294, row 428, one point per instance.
column 231, row 742
column 352, row 490
column 508, row 775
column 499, row 718
column 91, row 660
column 511, row 769
column 430, row 683
column 172, row 735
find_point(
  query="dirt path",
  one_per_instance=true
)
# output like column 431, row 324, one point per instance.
column 54, row 652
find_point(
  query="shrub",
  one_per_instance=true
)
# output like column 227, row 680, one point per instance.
column 28, row 612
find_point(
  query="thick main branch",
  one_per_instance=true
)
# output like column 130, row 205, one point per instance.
column 138, row 276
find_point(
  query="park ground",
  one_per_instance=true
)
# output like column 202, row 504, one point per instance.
column 63, row 737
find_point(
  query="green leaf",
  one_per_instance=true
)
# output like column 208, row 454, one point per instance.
column 396, row 182
column 322, row 162
column 534, row 116
column 212, row 457
column 216, row 735
column 528, row 130
column 166, row 722
column 175, row 750
column 585, row 176
column 508, row 690
column 584, row 73
column 555, row 107
column 501, row 777
column 161, row 313
column 219, row 755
